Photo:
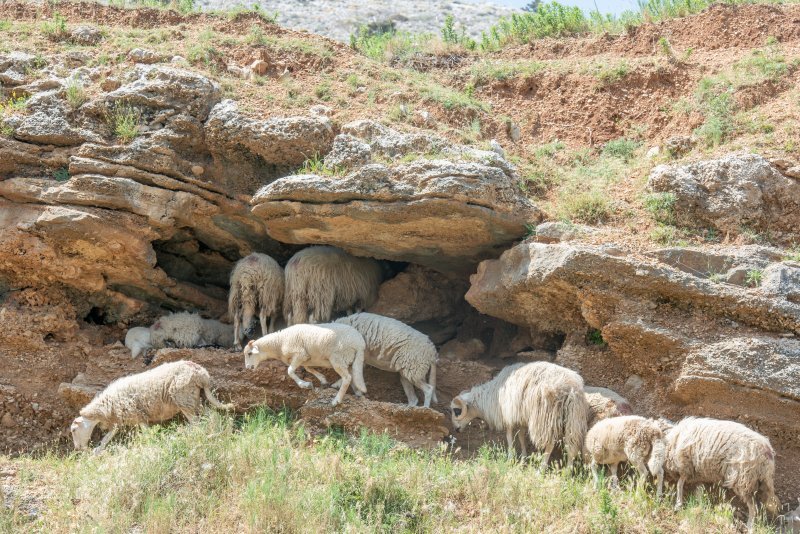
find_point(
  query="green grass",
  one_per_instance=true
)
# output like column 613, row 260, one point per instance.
column 203, row 51
column 611, row 74
column 621, row 148
column 486, row 71
column 264, row 473
column 661, row 207
column 76, row 94
column 754, row 277
column 55, row 29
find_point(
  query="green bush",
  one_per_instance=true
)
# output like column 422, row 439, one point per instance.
column 621, row 148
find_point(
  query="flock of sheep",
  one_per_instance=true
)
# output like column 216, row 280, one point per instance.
column 541, row 403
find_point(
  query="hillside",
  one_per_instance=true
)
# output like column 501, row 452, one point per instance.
column 617, row 197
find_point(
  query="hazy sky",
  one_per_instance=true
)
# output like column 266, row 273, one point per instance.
column 605, row 6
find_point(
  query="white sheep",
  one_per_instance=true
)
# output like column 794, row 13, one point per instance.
column 149, row 397
column 712, row 451
column 628, row 438
column 257, row 284
column 790, row 521
column 137, row 339
column 189, row 330
column 605, row 403
column 310, row 346
column 323, row 280
column 396, row 347
column 545, row 398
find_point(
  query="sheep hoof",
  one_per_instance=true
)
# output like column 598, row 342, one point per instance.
column 334, row 402
column 305, row 384
column 97, row 450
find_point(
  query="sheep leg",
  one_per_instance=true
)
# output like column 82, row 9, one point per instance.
column 546, row 456
column 111, row 433
column 614, row 477
column 273, row 323
column 427, row 390
column 408, row 388
column 523, row 444
column 595, row 473
column 237, row 329
column 336, row 384
column 263, row 317
column 510, row 440
column 346, row 379
column 751, row 512
column 297, row 361
column 679, row 499
column 319, row 376
column 641, row 467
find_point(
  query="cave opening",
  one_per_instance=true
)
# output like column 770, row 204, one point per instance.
column 97, row 316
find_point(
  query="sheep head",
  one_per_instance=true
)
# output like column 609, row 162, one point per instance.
column 252, row 356
column 81, row 430
column 462, row 411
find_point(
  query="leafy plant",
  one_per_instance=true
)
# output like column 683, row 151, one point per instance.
column 61, row 175
column 661, row 206
column 125, row 122
column 754, row 277
column 76, row 94
column 56, row 28
column 610, row 75
column 595, row 337
column 590, row 207
column 621, row 148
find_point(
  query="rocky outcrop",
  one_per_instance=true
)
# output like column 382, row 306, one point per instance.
column 734, row 194
column 706, row 345
column 447, row 212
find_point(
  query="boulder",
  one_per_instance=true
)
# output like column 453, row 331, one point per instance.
column 441, row 214
column 736, row 193
column 86, row 35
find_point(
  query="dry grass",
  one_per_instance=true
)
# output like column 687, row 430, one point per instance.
column 264, row 473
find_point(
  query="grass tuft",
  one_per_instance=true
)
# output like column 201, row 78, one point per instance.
column 124, row 120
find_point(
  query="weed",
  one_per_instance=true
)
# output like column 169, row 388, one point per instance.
column 485, row 71
column 590, row 207
column 255, row 36
column 56, row 28
column 666, row 47
column 5, row 25
column 5, row 129
column 610, row 75
column 14, row 104
column 716, row 278
column 124, row 120
column 715, row 97
column 595, row 337
column 400, row 113
column 661, row 206
column 76, row 94
column 61, row 175
column 754, row 277
column 530, row 230
column 453, row 37
column 621, row 148
column 664, row 234
column 203, row 50
column 323, row 91
column 316, row 165
column 549, row 20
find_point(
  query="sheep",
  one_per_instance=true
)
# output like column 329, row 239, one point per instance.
column 704, row 450
column 149, row 397
column 189, row 330
column 324, row 345
column 629, row 438
column 396, row 347
column 546, row 398
column 323, row 280
column 137, row 339
column 256, row 287
column 605, row 403
column 790, row 521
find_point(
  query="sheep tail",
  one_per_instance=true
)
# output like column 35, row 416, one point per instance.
column 432, row 381
column 358, row 371
column 576, row 417
column 658, row 454
column 213, row 401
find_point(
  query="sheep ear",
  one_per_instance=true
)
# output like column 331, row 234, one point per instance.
column 254, row 350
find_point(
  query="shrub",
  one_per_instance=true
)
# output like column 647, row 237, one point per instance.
column 61, row 175
column 125, row 122
column 754, row 277
column 715, row 97
column 621, row 148
column 610, row 75
column 590, row 207
column 56, row 28
column 661, row 206
column 76, row 94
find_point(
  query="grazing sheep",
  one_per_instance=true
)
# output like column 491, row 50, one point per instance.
column 149, row 397
column 323, row 280
column 605, row 403
column 307, row 345
column 256, row 287
column 396, row 347
column 701, row 450
column 137, row 339
column 790, row 521
column 546, row 398
column 189, row 330
column 631, row 439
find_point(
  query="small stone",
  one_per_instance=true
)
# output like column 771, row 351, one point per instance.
column 8, row 421
column 259, row 67
column 198, row 170
column 653, row 152
column 634, row 382
column 86, row 35
column 140, row 55
column 321, row 111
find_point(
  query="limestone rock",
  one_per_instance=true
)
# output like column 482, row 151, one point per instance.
column 734, row 193
column 348, row 152
column 441, row 214
column 470, row 349
column 49, row 129
column 557, row 231
column 140, row 55
column 16, row 66
column 86, row 35
column 278, row 141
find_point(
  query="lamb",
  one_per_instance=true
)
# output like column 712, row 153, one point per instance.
column 546, row 398
column 149, row 397
column 627, row 438
column 323, row 280
column 189, row 330
column 605, row 403
column 326, row 345
column 256, row 287
column 396, row 347
column 702, row 450
column 137, row 339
